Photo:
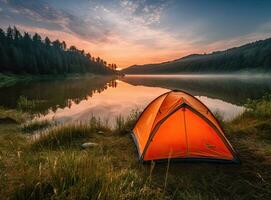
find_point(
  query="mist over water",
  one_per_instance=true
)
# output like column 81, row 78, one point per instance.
column 244, row 75
column 232, row 88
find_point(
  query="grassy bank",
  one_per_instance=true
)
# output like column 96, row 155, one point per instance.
column 54, row 166
column 8, row 79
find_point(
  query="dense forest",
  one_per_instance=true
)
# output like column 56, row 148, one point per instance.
column 252, row 57
column 23, row 53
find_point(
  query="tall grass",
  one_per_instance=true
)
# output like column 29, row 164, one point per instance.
column 26, row 104
column 36, row 125
column 67, row 135
column 125, row 125
column 74, row 176
column 259, row 107
column 61, row 136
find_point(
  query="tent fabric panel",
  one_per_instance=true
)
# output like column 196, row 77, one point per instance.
column 169, row 141
column 144, row 124
column 175, row 98
column 200, row 107
column 203, row 140
column 170, row 102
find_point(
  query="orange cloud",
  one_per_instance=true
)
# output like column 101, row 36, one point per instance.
column 121, row 52
column 126, row 51
column 127, row 33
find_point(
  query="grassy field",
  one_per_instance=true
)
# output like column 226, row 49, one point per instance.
column 54, row 166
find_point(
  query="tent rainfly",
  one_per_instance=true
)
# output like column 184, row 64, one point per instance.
column 176, row 125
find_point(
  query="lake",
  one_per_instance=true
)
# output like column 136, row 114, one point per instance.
column 78, row 99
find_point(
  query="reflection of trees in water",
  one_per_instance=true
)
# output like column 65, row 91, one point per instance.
column 112, row 84
column 56, row 94
column 232, row 90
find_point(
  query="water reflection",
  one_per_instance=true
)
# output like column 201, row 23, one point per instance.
column 234, row 89
column 78, row 99
column 122, row 99
column 107, row 105
column 55, row 94
column 224, row 109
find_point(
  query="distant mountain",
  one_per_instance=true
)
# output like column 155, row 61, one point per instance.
column 252, row 57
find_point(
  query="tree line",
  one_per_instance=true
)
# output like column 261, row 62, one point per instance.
column 23, row 53
column 252, row 57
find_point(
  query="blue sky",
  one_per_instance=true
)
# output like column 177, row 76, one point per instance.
column 130, row 32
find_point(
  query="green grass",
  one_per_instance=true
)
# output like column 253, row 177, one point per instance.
column 53, row 166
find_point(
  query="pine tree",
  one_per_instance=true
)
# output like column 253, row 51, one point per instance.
column 26, row 54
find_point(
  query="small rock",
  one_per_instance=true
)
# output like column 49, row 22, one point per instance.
column 88, row 145
column 100, row 132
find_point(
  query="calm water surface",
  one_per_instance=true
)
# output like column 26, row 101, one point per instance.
column 105, row 97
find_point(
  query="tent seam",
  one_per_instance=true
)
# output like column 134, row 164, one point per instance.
column 186, row 138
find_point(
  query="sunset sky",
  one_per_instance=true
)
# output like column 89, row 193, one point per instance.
column 129, row 32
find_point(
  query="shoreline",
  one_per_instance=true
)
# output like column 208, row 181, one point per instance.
column 7, row 79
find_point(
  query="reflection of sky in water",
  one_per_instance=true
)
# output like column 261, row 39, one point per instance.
column 227, row 110
column 123, row 99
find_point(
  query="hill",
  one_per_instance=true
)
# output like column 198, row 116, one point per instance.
column 252, row 57
column 23, row 53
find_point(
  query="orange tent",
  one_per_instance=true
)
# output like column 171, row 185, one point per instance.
column 177, row 125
